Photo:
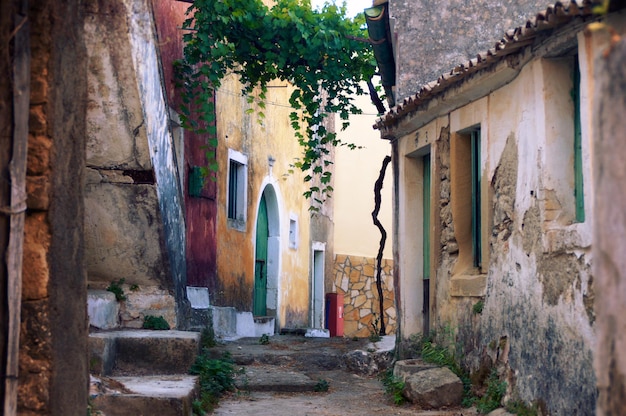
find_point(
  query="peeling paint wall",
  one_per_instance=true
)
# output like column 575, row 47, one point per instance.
column 535, row 281
column 270, row 147
column 135, row 229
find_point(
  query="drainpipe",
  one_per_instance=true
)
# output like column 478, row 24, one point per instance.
column 17, row 209
column 377, row 20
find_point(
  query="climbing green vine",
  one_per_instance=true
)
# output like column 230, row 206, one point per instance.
column 314, row 50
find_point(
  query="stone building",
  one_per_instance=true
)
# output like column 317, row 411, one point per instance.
column 494, row 193
column 242, row 248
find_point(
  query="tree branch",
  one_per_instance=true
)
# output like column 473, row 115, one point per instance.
column 383, row 237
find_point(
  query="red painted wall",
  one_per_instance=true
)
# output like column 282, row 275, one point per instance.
column 200, row 212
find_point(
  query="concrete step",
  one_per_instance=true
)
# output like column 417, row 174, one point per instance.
column 142, row 352
column 165, row 395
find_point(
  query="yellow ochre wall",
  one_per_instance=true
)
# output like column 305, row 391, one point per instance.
column 271, row 147
column 356, row 237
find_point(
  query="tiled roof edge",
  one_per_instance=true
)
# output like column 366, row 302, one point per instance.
column 555, row 15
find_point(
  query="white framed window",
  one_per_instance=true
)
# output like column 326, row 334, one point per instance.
column 236, row 195
column 293, row 231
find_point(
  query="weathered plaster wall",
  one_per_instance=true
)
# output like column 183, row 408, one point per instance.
column 145, row 57
column 446, row 33
column 134, row 223
column 538, row 316
column 409, row 226
column 200, row 210
column 356, row 172
column 271, row 147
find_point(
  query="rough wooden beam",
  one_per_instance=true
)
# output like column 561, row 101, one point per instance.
column 17, row 209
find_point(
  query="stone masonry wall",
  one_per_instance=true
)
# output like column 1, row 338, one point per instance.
column 449, row 33
column 355, row 279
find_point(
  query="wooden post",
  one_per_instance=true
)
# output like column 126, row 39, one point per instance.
column 17, row 172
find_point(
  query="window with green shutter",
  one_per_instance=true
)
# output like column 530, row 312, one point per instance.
column 476, row 221
column 578, row 158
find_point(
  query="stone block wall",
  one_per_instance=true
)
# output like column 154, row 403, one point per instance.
column 355, row 279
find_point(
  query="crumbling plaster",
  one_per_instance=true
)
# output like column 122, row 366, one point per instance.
column 538, row 293
column 135, row 228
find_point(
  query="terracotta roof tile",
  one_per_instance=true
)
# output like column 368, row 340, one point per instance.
column 513, row 40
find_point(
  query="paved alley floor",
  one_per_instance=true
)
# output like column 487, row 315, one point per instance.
column 349, row 394
column 318, row 359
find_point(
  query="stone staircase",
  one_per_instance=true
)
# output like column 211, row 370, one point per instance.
column 143, row 372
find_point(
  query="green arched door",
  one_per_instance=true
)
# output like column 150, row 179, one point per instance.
column 260, row 264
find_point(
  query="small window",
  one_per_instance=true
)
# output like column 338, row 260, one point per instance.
column 293, row 232
column 237, row 184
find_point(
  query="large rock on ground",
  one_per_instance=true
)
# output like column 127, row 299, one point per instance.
column 405, row 368
column 369, row 363
column 434, row 388
column 378, row 357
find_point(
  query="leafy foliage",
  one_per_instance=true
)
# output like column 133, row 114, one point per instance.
column 312, row 50
column 321, row 385
column 442, row 355
column 155, row 322
column 117, row 289
column 264, row 339
column 520, row 408
column 393, row 386
column 207, row 338
column 217, row 376
column 492, row 398
column 477, row 309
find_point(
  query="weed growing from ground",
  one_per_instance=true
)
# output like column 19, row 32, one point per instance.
column 321, row 386
column 520, row 408
column 492, row 398
column 217, row 376
column 155, row 322
column 375, row 331
column 477, row 309
column 393, row 386
column 264, row 340
column 207, row 338
column 117, row 289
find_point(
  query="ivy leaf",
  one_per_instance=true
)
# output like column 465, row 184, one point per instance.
column 288, row 41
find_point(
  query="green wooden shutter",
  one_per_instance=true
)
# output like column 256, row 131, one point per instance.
column 232, row 189
column 578, row 154
column 426, row 220
column 476, row 223
column 260, row 264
